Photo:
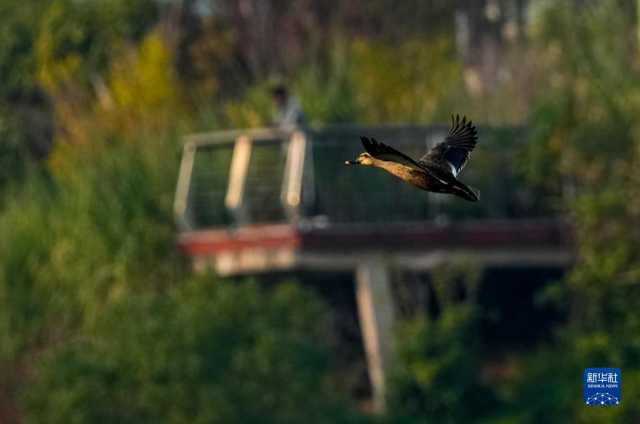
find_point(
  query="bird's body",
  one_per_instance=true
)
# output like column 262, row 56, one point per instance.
column 437, row 170
column 408, row 174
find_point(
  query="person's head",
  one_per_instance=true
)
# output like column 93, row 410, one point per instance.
column 279, row 93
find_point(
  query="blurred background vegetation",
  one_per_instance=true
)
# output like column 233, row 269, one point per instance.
column 102, row 320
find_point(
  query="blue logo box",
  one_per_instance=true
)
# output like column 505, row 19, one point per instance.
column 602, row 386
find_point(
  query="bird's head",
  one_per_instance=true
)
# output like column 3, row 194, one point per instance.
column 364, row 159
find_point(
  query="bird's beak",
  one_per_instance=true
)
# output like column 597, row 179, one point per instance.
column 351, row 162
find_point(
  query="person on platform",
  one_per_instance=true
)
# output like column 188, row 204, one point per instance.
column 289, row 113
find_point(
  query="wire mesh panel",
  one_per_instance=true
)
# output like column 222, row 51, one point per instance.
column 364, row 194
column 263, row 185
column 209, row 186
column 358, row 194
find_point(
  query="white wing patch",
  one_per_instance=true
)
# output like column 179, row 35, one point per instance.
column 454, row 171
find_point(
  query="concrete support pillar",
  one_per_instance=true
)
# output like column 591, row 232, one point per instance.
column 375, row 307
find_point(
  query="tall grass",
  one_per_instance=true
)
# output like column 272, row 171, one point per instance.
column 74, row 241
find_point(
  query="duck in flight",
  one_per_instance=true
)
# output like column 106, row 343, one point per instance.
column 437, row 170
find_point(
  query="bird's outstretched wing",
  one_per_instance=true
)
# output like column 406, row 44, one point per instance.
column 383, row 152
column 455, row 149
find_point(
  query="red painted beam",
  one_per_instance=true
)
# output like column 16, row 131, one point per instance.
column 233, row 240
column 487, row 234
column 428, row 235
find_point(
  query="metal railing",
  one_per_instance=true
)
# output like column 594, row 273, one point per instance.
column 238, row 178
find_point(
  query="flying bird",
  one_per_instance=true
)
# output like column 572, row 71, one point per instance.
column 436, row 171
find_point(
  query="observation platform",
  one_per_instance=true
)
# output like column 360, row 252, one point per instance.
column 260, row 201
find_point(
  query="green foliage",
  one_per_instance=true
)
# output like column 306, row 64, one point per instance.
column 368, row 82
column 92, row 290
column 19, row 23
column 585, row 137
column 87, row 237
column 24, row 247
column 205, row 351
column 439, row 378
column 410, row 82
column 99, row 319
column 549, row 390
column 592, row 138
column 77, row 38
column 584, row 127
column 329, row 95
column 13, row 150
column 254, row 109
column 90, row 282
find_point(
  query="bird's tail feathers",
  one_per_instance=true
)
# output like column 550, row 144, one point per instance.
column 466, row 192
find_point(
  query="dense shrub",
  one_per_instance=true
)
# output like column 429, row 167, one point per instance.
column 205, row 351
